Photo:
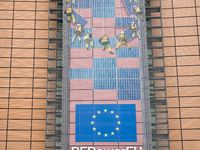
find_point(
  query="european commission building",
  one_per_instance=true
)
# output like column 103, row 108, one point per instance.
column 99, row 75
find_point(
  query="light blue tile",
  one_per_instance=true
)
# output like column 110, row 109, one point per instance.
column 124, row 52
column 104, row 62
column 81, row 73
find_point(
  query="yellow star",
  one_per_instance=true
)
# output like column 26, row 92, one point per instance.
column 118, row 122
column 112, row 133
column 99, row 133
column 94, row 128
column 105, row 110
column 112, row 112
column 105, row 135
column 92, row 122
column 117, row 116
column 94, row 116
column 117, row 128
column 98, row 112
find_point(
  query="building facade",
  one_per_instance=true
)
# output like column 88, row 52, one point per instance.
column 38, row 95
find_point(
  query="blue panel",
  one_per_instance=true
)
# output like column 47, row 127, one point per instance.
column 128, row 72
column 82, row 4
column 129, row 94
column 103, row 3
column 103, row 84
column 81, row 73
column 104, row 62
column 128, row 84
column 80, row 19
column 98, row 45
column 128, row 33
column 104, row 73
column 86, row 30
column 124, row 52
column 76, row 43
column 129, row 8
column 124, row 21
column 106, row 123
column 103, row 12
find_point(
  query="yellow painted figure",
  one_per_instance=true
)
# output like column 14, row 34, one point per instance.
column 123, row 40
column 72, row 2
column 134, row 29
column 87, row 39
column 138, row 12
column 70, row 14
column 105, row 42
column 131, row 1
column 78, row 31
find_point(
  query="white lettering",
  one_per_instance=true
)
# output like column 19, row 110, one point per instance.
column 134, row 148
column 140, row 147
column 75, row 148
column 82, row 148
column 129, row 147
column 93, row 148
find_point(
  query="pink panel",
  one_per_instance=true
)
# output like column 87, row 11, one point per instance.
column 89, row 24
column 72, row 128
column 73, row 104
column 122, row 12
column 137, row 103
column 108, row 22
column 105, row 94
column 72, row 142
column 99, row 53
column 81, row 63
column 81, row 95
column 139, row 128
column 105, row 102
column 105, row 143
column 80, row 53
column 84, row 12
column 139, row 141
column 138, row 116
column 128, row 63
column 119, row 3
column 81, row 84
column 98, row 32
column 72, row 117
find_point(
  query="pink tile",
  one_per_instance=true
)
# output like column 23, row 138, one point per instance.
column 81, row 63
column 139, row 128
column 74, row 103
column 73, row 143
column 81, row 84
column 105, row 102
column 109, row 32
column 122, row 12
column 84, row 12
column 119, row 3
column 105, row 94
column 128, row 63
column 72, row 127
column 72, row 117
column 99, row 53
column 81, row 95
column 105, row 143
column 138, row 116
column 137, row 103
column 80, row 53
column 108, row 22
column 89, row 24
column 139, row 141
column 105, row 147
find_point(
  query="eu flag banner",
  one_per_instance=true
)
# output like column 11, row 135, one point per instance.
column 106, row 123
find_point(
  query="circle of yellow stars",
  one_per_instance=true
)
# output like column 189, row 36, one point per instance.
column 99, row 112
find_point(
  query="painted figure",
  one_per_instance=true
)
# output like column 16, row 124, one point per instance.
column 134, row 29
column 78, row 31
column 70, row 14
column 87, row 39
column 131, row 2
column 72, row 2
column 123, row 40
column 138, row 12
column 105, row 42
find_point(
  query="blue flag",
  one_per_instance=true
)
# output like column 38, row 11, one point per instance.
column 106, row 123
